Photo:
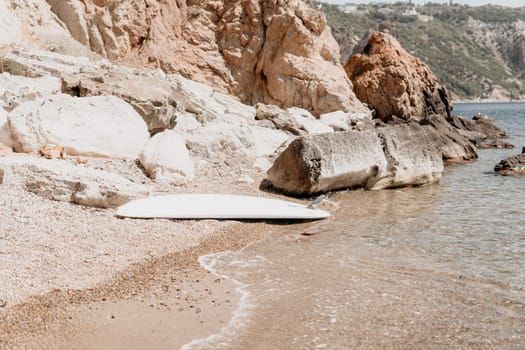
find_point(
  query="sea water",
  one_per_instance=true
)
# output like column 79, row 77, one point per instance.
column 433, row 267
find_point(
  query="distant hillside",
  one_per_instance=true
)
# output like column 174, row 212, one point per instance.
column 477, row 52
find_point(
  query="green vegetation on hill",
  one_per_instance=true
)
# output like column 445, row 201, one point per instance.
column 477, row 52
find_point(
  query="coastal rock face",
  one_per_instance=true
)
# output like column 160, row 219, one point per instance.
column 31, row 22
column 275, row 52
column 513, row 165
column 166, row 159
column 481, row 131
column 149, row 92
column 393, row 156
column 100, row 126
column 215, row 125
column 62, row 181
column 395, row 83
column 454, row 145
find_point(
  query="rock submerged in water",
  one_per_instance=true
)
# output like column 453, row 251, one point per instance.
column 514, row 165
column 388, row 157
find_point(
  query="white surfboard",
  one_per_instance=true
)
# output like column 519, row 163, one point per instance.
column 216, row 206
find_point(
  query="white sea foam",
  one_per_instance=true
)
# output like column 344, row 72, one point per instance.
column 241, row 315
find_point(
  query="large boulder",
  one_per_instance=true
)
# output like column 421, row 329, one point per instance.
column 513, row 165
column 150, row 96
column 271, row 51
column 166, row 159
column 393, row 156
column 62, row 181
column 149, row 92
column 100, row 126
column 396, row 83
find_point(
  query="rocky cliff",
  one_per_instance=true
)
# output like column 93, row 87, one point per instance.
column 179, row 130
column 275, row 52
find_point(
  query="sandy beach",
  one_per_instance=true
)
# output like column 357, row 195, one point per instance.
column 74, row 276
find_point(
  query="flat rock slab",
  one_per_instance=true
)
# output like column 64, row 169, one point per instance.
column 62, row 181
column 393, row 156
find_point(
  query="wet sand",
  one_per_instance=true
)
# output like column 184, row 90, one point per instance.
column 176, row 300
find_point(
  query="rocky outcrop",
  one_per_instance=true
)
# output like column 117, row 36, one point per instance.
column 483, row 125
column 151, row 97
column 149, row 92
column 402, row 88
column 62, row 181
column 481, row 131
column 215, row 125
column 514, row 165
column 100, row 126
column 393, row 156
column 395, row 83
column 454, row 145
column 166, row 159
column 268, row 51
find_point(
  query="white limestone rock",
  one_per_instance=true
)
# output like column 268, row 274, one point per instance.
column 98, row 126
column 393, row 156
column 62, row 181
column 307, row 122
column 17, row 89
column 33, row 63
column 9, row 26
column 166, row 159
column 32, row 23
column 343, row 121
column 207, row 103
column 5, row 134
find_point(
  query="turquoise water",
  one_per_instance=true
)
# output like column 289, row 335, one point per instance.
column 433, row 267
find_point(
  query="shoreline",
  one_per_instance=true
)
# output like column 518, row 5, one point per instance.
column 56, row 255
column 486, row 101
column 157, row 289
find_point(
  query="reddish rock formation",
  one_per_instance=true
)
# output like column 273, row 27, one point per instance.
column 395, row 83
column 273, row 51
